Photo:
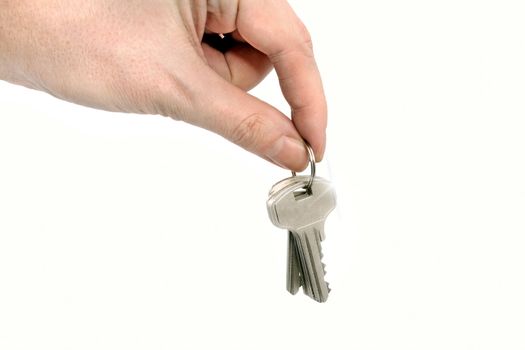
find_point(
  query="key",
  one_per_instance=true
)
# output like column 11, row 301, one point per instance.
column 293, row 271
column 303, row 213
column 313, row 281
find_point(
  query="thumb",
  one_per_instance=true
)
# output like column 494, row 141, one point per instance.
column 243, row 119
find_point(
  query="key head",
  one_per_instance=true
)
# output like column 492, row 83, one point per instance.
column 284, row 183
column 277, row 191
column 295, row 209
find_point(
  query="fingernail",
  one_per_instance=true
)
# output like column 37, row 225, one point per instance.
column 289, row 153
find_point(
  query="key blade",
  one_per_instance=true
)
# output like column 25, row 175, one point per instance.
column 293, row 273
column 314, row 284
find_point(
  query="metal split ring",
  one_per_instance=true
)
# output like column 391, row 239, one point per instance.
column 311, row 159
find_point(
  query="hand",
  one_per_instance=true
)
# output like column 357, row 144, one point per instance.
column 147, row 56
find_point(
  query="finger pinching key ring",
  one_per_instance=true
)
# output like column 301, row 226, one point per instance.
column 311, row 159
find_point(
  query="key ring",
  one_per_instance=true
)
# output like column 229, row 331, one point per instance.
column 311, row 159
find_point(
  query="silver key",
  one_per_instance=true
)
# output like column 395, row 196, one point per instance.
column 303, row 213
column 294, row 268
column 293, row 271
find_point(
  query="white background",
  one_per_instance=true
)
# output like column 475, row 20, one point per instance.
column 138, row 232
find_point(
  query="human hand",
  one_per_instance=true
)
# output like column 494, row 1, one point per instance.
column 147, row 56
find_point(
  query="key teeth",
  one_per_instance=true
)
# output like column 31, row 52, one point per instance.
column 324, row 268
column 322, row 256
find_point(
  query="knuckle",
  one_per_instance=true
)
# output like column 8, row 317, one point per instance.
column 305, row 38
column 302, row 46
column 222, row 15
column 250, row 131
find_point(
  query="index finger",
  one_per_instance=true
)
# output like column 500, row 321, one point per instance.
column 272, row 27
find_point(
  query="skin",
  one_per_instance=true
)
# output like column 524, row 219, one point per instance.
column 147, row 56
